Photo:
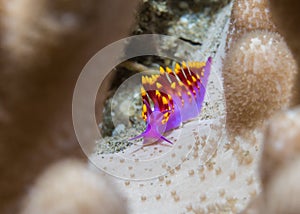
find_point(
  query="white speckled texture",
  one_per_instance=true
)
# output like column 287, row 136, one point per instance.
column 201, row 173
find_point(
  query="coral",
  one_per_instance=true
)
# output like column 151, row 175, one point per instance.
column 281, row 194
column 70, row 187
column 280, row 166
column 220, row 184
column 247, row 16
column 258, row 74
column 44, row 45
column 280, row 162
column 26, row 38
column 281, row 144
column 286, row 16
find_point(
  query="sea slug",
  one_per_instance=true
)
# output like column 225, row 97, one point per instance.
column 173, row 97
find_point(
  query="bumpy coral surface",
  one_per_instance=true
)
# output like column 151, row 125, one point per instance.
column 280, row 166
column 258, row 77
column 252, row 14
column 287, row 17
column 42, row 54
column 281, row 194
column 282, row 142
column 44, row 45
column 70, row 187
column 248, row 16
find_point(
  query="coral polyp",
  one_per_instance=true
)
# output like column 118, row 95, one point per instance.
column 248, row 16
column 176, row 96
column 259, row 72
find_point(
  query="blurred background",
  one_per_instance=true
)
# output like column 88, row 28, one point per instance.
column 44, row 46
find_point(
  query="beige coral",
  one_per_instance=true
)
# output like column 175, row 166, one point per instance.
column 287, row 17
column 247, row 16
column 252, row 15
column 281, row 158
column 280, row 166
column 32, row 133
column 280, row 163
column 281, row 194
column 70, row 187
column 258, row 75
column 282, row 142
column 44, row 45
column 27, row 38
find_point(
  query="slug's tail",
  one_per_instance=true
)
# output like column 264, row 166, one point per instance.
column 154, row 130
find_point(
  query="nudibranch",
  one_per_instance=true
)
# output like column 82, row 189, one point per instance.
column 175, row 95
